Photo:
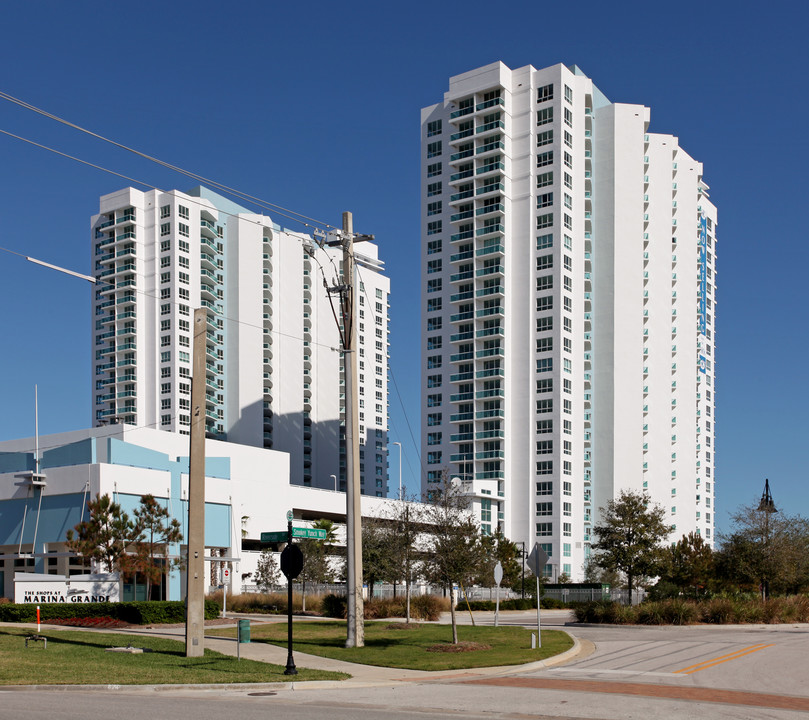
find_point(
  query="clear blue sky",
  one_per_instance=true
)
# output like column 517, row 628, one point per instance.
column 316, row 107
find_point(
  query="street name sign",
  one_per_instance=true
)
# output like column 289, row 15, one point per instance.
column 281, row 535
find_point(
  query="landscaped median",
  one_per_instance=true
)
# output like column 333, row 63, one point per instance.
column 80, row 658
column 414, row 646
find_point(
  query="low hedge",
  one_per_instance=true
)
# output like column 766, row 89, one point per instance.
column 422, row 607
column 135, row 613
column 515, row 604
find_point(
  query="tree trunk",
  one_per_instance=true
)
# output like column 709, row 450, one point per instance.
column 629, row 579
column 303, row 596
column 452, row 613
column 407, row 600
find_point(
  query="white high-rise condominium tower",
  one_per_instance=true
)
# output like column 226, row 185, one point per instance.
column 568, row 309
column 273, row 361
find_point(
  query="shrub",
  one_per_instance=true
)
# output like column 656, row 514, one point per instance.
column 718, row 611
column 428, row 607
column 651, row 613
column 679, row 612
column 135, row 613
column 335, row 606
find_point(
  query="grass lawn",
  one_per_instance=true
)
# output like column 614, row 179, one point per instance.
column 389, row 645
column 78, row 658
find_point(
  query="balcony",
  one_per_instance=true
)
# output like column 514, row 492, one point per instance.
column 490, row 475
column 490, row 167
column 466, row 235
column 460, row 277
column 490, row 126
column 461, row 417
column 461, row 377
column 490, row 270
column 455, row 177
column 488, row 414
column 487, row 312
column 460, row 257
column 490, row 352
column 461, row 357
column 490, row 187
column 461, row 397
column 488, row 291
column 490, row 435
column 493, row 372
column 494, row 102
column 460, row 337
column 490, row 455
column 458, row 217
column 459, row 297
column 491, row 208
column 495, row 228
column 489, row 147
column 462, row 134
column 461, row 437
column 457, row 197
column 491, row 250
column 460, row 317
column 495, row 393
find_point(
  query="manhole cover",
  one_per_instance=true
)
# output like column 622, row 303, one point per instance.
column 261, row 694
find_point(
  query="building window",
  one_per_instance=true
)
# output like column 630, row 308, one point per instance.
column 545, row 303
column 567, row 509
column 433, row 304
column 434, row 149
column 545, row 467
column 567, row 529
column 545, row 487
column 544, row 508
column 545, row 282
column 183, row 211
column 433, row 170
column 545, row 365
column 165, row 228
column 434, row 227
column 568, row 117
column 434, row 400
column 544, row 241
column 544, row 221
column 544, row 200
column 545, row 158
column 545, row 93
column 433, row 381
column 434, row 458
column 545, row 385
column 544, row 344
column 434, row 285
column 434, row 343
column 544, row 447
column 544, row 138
column 434, row 438
column 569, row 160
column 433, row 128
column 165, row 211
column 544, row 324
column 545, row 116
column 568, row 139
column 433, row 246
column 568, row 94
column 544, row 529
column 545, row 179
column 544, row 426
column 433, row 419
column 434, row 208
column 184, row 229
column 544, row 262
column 433, row 189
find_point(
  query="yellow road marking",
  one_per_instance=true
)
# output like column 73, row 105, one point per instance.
column 722, row 659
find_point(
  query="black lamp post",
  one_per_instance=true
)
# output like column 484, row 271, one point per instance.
column 767, row 506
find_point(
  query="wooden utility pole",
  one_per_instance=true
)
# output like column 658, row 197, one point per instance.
column 355, row 613
column 195, row 568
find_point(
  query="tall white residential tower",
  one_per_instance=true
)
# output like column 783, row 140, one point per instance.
column 273, row 361
column 568, row 308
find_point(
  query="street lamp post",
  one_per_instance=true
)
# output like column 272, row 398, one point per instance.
column 334, row 477
column 767, row 506
column 400, row 468
column 523, row 554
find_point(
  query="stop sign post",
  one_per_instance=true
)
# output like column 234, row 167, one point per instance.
column 536, row 561
column 291, row 566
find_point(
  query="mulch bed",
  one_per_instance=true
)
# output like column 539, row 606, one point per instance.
column 459, row 648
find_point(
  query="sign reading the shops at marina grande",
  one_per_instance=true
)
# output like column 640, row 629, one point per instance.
column 33, row 588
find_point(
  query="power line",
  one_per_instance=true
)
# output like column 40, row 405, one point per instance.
column 300, row 217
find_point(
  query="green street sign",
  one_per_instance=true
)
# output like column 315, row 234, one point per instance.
column 281, row 535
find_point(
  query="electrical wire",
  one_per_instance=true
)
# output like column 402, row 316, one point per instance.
column 286, row 212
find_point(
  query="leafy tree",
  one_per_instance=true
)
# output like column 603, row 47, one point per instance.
column 154, row 531
column 377, row 565
column 267, row 575
column 498, row 548
column 104, row 536
column 688, row 565
column 316, row 565
column 455, row 547
column 404, row 552
column 765, row 549
column 629, row 535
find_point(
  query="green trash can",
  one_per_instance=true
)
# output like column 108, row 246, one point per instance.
column 244, row 631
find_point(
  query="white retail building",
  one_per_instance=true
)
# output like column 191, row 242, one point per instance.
column 274, row 368
column 569, row 263
column 247, row 492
